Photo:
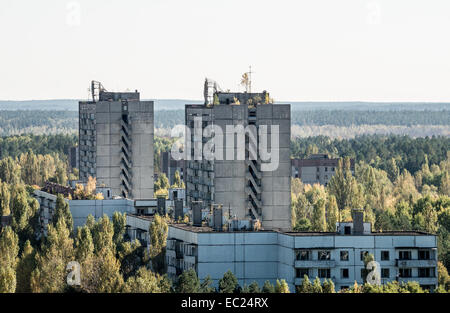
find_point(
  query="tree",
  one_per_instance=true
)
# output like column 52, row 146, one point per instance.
column 177, row 182
column 145, row 281
column 343, row 185
column 368, row 257
column 61, row 175
column 282, row 286
column 119, row 223
column 102, row 234
column 62, row 210
column 25, row 267
column 162, row 183
column 332, row 214
column 5, row 198
column 392, row 170
column 21, row 211
column 319, row 220
column 188, row 282
column 131, row 257
column 254, row 288
column 303, row 224
column 158, row 236
column 9, row 249
column 57, row 252
column 207, row 285
column 328, row 286
column 107, row 277
column 84, row 245
column 268, row 287
column 443, row 277
column 305, row 286
column 165, row 283
column 317, row 287
column 228, row 283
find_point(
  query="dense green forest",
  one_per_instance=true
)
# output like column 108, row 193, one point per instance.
column 13, row 146
column 38, row 122
column 178, row 104
column 168, row 119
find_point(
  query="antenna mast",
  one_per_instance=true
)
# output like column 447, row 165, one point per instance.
column 250, row 80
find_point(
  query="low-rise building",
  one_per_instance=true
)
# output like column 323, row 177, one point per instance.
column 81, row 209
column 317, row 169
column 271, row 255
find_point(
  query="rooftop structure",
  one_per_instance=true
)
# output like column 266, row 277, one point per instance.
column 317, row 169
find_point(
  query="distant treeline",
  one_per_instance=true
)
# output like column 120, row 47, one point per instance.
column 409, row 153
column 13, row 146
column 178, row 104
column 38, row 122
column 170, row 118
column 346, row 118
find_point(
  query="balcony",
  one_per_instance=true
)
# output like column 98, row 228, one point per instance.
column 315, row 264
column 415, row 263
column 420, row 280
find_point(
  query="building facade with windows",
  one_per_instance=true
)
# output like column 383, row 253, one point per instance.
column 116, row 143
column 317, row 169
column 270, row 255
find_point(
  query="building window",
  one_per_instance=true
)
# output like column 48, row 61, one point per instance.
column 424, row 254
column 344, row 273
column 302, row 255
column 344, row 255
column 384, row 273
column 326, row 169
column 405, row 272
column 324, row 273
column 363, row 254
column 426, row 271
column 301, row 272
column 347, row 230
column 404, row 255
column 318, row 170
column 324, row 255
column 384, row 255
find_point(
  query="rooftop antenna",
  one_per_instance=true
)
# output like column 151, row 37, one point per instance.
column 246, row 80
column 96, row 88
column 250, row 79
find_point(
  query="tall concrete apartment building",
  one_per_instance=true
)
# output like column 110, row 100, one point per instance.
column 116, row 142
column 239, row 185
column 316, row 169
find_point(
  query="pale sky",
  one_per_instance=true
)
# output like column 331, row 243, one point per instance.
column 315, row 50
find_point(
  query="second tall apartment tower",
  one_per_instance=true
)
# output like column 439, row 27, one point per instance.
column 116, row 143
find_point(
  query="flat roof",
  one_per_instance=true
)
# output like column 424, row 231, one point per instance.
column 207, row 229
